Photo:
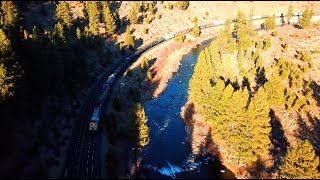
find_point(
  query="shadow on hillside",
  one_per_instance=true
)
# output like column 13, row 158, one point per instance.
column 138, row 42
column 297, row 26
column 311, row 133
column 140, row 20
column 278, row 140
column 316, row 90
column 124, row 22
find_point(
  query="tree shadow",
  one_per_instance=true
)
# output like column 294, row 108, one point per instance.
column 316, row 89
column 123, row 25
column 297, row 26
column 245, row 84
column 140, row 20
column 310, row 133
column 138, row 42
column 278, row 140
column 114, row 5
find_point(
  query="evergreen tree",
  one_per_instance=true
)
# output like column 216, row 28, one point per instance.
column 240, row 21
column 133, row 16
column 250, row 27
column 267, row 44
column 5, row 85
column 128, row 39
column 109, row 20
column 141, row 124
column 183, row 5
column 196, row 30
column 289, row 14
column 63, row 14
column 9, row 14
column 93, row 16
column 300, row 162
column 275, row 90
column 5, row 45
column 258, row 127
column 78, row 33
column 57, row 36
column 270, row 23
column 306, row 18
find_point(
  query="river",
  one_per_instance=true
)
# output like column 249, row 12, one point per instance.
column 168, row 154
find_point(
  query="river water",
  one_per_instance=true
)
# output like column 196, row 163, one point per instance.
column 168, row 154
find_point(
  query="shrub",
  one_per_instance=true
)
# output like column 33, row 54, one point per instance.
column 158, row 16
column 149, row 76
column 170, row 6
column 285, row 48
column 144, row 64
column 145, row 31
column 147, row 20
column 267, row 44
column 274, row 33
column 180, row 38
column 183, row 5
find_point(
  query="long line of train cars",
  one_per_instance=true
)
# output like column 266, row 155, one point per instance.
column 93, row 123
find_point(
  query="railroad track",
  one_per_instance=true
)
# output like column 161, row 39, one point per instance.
column 84, row 161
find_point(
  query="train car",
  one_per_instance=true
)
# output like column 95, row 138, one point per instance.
column 169, row 36
column 161, row 40
column 111, row 79
column 94, row 120
column 297, row 13
column 218, row 23
column 256, row 17
column 208, row 25
column 201, row 26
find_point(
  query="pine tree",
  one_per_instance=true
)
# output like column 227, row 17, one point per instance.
column 183, row 5
column 258, row 127
column 93, row 16
column 196, row 30
column 289, row 14
column 133, row 16
column 128, row 39
column 57, row 36
column 145, row 63
column 9, row 14
column 300, row 162
column 250, row 28
column 78, row 33
column 267, row 44
column 270, row 22
column 109, row 20
column 5, row 44
column 141, row 124
column 5, row 85
column 306, row 17
column 25, row 35
column 240, row 21
column 63, row 14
